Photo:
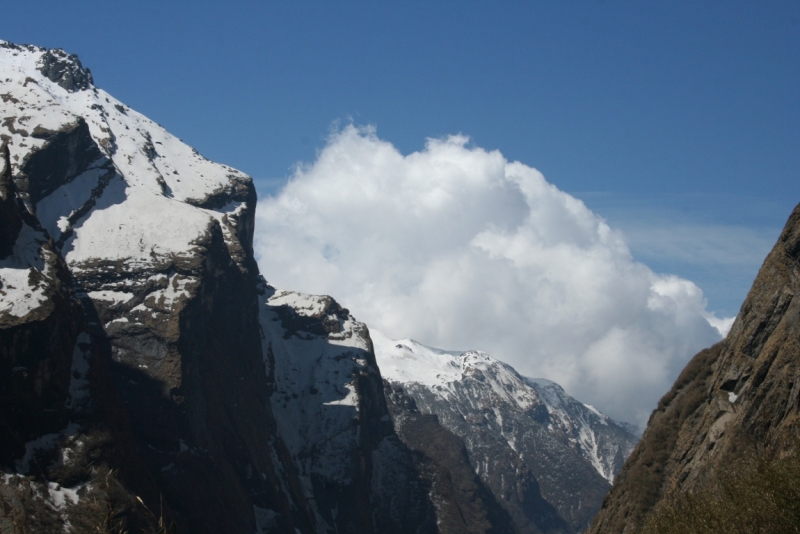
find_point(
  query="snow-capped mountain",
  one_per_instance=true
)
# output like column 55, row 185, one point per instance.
column 330, row 412
column 147, row 371
column 511, row 425
column 149, row 374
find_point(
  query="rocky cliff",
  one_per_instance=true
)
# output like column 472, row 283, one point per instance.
column 148, row 374
column 541, row 461
column 737, row 400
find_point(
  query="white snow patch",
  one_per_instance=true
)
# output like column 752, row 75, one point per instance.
column 54, row 209
column 302, row 304
column 597, row 413
column 59, row 496
column 141, row 229
column 45, row 442
column 405, row 360
column 177, row 288
column 351, row 399
column 114, row 297
column 19, row 294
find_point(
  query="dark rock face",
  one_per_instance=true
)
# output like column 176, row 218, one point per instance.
column 10, row 217
column 37, row 341
column 463, row 503
column 65, row 70
column 537, row 482
column 69, row 152
column 59, row 427
column 147, row 371
column 195, row 387
column 733, row 400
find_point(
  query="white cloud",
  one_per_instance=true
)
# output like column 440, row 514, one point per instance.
column 458, row 248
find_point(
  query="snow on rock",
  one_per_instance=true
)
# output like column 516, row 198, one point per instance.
column 140, row 231
column 141, row 242
column 582, row 425
column 45, row 443
column 512, row 425
column 144, row 152
column 405, row 360
column 124, row 204
column 55, row 210
column 315, row 400
column 331, row 414
column 60, row 496
column 25, row 275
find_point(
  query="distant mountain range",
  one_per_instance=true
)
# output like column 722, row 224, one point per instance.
column 536, row 449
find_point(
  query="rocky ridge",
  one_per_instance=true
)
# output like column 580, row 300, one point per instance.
column 546, row 458
column 732, row 402
column 144, row 362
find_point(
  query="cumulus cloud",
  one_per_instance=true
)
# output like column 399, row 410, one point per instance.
column 458, row 248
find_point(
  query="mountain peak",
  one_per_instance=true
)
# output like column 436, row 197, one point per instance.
column 512, row 427
column 65, row 70
column 133, row 319
column 59, row 66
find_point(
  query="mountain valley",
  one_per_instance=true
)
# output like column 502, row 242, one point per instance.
column 153, row 380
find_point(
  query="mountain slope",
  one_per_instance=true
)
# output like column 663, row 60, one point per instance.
column 546, row 458
column 331, row 413
column 147, row 370
column 157, row 241
column 734, row 401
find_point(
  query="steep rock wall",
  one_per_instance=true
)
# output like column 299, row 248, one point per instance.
column 133, row 309
column 332, row 413
column 62, row 440
column 736, row 400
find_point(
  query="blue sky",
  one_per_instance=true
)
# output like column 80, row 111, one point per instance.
column 678, row 122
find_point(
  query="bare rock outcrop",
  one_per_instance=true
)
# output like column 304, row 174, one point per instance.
column 737, row 400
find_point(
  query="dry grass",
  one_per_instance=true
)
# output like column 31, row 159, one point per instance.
column 760, row 498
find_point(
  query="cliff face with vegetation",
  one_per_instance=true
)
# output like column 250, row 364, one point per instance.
column 734, row 405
